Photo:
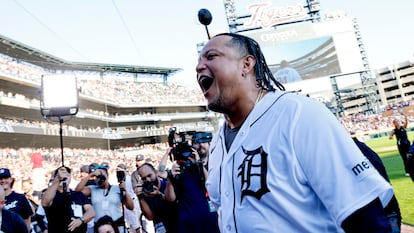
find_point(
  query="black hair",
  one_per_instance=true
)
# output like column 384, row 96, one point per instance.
column 147, row 164
column 264, row 76
column 105, row 220
column 57, row 169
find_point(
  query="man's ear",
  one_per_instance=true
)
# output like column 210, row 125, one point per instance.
column 248, row 64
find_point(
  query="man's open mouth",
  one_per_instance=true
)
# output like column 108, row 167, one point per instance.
column 205, row 82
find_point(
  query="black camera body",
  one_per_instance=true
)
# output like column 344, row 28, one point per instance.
column 120, row 176
column 181, row 146
column 100, row 179
column 182, row 149
column 148, row 186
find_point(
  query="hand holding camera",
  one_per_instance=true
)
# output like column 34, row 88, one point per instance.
column 122, row 185
column 62, row 174
column 149, row 188
column 100, row 177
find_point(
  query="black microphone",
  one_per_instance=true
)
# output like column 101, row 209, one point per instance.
column 64, row 185
column 205, row 18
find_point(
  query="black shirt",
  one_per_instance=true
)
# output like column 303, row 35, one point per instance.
column 61, row 211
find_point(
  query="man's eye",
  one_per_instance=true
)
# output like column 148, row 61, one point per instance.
column 211, row 56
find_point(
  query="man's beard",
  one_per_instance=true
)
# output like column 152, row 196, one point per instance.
column 217, row 105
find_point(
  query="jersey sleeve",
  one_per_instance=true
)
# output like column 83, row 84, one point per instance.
column 334, row 167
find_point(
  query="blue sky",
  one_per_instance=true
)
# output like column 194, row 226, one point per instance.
column 165, row 33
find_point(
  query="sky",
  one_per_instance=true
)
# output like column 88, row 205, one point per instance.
column 165, row 33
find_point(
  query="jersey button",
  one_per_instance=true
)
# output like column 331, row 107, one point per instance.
column 228, row 227
column 227, row 194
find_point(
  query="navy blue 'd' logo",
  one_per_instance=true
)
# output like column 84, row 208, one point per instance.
column 252, row 172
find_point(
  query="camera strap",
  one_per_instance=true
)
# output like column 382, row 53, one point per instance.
column 211, row 206
column 107, row 192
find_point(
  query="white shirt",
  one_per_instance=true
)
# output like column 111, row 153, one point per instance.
column 291, row 168
column 287, row 75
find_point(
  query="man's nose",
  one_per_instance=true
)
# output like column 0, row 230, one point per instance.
column 200, row 66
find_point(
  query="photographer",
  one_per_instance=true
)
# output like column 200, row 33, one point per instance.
column 187, row 186
column 132, row 217
column 106, row 199
column 66, row 210
column 152, row 200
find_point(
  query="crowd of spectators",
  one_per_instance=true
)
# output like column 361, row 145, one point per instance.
column 371, row 123
column 124, row 91
column 52, row 128
column 19, row 160
column 367, row 123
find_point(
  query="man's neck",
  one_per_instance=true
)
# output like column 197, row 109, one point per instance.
column 236, row 116
column 7, row 192
column 106, row 186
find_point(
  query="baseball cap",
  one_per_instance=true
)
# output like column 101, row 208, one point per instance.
column 139, row 157
column 5, row 173
column 122, row 167
column 202, row 137
column 92, row 167
column 85, row 168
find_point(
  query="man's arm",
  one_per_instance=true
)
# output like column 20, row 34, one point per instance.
column 145, row 208
column 89, row 213
column 50, row 193
column 169, row 191
column 391, row 134
column 405, row 121
column 129, row 203
column 81, row 187
column 369, row 219
column 162, row 172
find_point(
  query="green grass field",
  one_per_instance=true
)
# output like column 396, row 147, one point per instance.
column 403, row 186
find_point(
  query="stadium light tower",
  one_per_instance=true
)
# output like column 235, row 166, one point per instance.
column 59, row 100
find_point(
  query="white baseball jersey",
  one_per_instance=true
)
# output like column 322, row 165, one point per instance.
column 291, row 168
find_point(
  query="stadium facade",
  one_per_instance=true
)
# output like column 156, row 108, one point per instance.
column 119, row 105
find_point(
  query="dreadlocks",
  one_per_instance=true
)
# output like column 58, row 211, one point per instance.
column 248, row 46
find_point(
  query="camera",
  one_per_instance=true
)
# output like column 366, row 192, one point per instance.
column 181, row 147
column 120, row 175
column 100, row 179
column 148, row 186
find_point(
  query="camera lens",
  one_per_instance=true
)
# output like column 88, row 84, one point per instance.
column 147, row 187
column 100, row 179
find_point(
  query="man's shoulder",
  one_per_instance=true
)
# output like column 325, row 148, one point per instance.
column 9, row 215
column 13, row 195
column 80, row 197
column 135, row 176
column 77, row 193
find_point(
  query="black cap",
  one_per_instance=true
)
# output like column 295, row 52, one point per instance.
column 139, row 157
column 105, row 164
column 121, row 167
column 5, row 173
column 92, row 167
column 202, row 137
column 84, row 168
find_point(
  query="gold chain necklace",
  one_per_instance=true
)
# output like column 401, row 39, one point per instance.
column 260, row 95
